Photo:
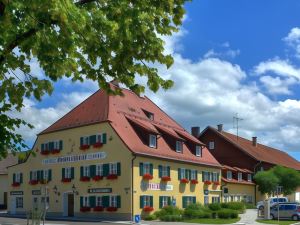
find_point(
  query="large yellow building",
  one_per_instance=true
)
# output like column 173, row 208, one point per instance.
column 113, row 157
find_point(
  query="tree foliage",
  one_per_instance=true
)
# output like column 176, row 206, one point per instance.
column 99, row 40
column 267, row 181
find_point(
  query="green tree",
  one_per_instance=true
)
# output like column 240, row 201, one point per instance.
column 266, row 181
column 99, row 40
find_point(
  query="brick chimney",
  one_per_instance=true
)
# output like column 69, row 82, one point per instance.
column 254, row 141
column 195, row 131
column 220, row 127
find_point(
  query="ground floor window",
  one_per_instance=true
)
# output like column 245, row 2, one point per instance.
column 113, row 168
column 113, row 201
column 206, row 200
column 215, row 199
column 99, row 201
column 187, row 200
column 19, row 202
column 99, row 170
column 164, row 201
column 146, row 200
column 226, row 198
column 85, row 201
column 232, row 198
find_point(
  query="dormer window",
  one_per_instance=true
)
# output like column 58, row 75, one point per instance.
column 179, row 146
column 198, row 151
column 249, row 177
column 211, row 145
column 150, row 115
column 229, row 175
column 240, row 176
column 152, row 141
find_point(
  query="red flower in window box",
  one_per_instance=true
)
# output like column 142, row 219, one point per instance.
column 98, row 145
column 85, row 209
column 207, row 182
column 184, row 181
column 98, row 209
column 216, row 183
column 44, row 181
column 194, row 181
column 97, row 178
column 111, row 209
column 33, row 182
column 55, row 151
column 85, row 179
column 148, row 209
column 66, row 180
column 147, row 176
column 112, row 177
column 15, row 184
column 45, row 152
column 84, row 147
column 166, row 178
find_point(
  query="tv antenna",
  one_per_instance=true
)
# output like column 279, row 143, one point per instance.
column 236, row 120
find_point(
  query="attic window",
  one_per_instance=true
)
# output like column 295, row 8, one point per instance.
column 152, row 141
column 150, row 115
column 198, row 151
column 179, row 146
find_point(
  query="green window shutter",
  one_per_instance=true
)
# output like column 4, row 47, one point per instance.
column 81, row 171
column 92, row 139
column 196, row 172
column 21, row 178
column 188, row 174
column 72, row 172
column 38, row 175
column 63, row 173
column 104, row 138
column 42, row 147
column 14, row 178
column 49, row 175
column 159, row 171
column 141, row 169
column 151, row 201
column 141, row 201
column 151, row 169
column 160, row 201
column 60, row 145
column 202, row 176
column 218, row 176
column 184, row 202
column 169, row 200
column 118, row 201
column 105, row 201
column 105, row 169
column 41, row 175
column 81, row 141
column 92, row 200
column 30, row 175
column 169, row 171
column 179, row 173
column 194, row 200
column 81, row 201
column 119, row 169
column 51, row 146
column 93, row 170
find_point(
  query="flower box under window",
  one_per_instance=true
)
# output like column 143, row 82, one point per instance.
column 44, row 181
column 55, row 151
column 112, row 176
column 166, row 178
column 15, row 184
column 97, row 178
column 184, row 181
column 98, row 145
column 207, row 182
column 66, row 180
column 216, row 183
column 33, row 182
column 85, row 179
column 84, row 147
column 45, row 152
column 85, row 209
column 194, row 181
column 111, row 209
column 148, row 209
column 147, row 176
column 98, row 209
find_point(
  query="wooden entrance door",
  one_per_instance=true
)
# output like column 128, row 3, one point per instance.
column 70, row 204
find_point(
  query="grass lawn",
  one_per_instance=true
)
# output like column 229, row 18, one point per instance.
column 213, row 221
column 283, row 222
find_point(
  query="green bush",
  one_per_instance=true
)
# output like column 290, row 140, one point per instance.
column 227, row 214
column 168, row 210
column 195, row 211
column 250, row 206
column 150, row 217
column 171, row 218
column 196, row 206
column 214, row 206
column 239, row 206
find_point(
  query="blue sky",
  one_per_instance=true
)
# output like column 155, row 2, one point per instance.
column 230, row 57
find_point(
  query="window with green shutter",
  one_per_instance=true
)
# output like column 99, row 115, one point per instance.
column 141, row 169
column 151, row 168
column 164, row 201
column 14, row 177
column 118, row 201
column 93, row 170
column 72, row 172
column 49, row 175
column 92, row 201
column 105, row 169
column 184, row 202
column 104, row 138
column 60, row 145
column 63, row 173
column 105, row 201
column 142, row 201
column 159, row 171
column 119, row 169
column 179, row 174
column 92, row 139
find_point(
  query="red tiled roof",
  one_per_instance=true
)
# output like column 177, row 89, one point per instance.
column 235, row 181
column 144, row 124
column 261, row 152
column 101, row 107
column 225, row 167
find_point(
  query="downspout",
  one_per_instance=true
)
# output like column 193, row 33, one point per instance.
column 132, row 185
column 254, row 170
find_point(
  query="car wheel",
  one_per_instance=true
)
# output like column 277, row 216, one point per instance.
column 272, row 217
column 295, row 217
column 261, row 208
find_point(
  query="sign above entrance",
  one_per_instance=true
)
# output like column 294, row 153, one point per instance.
column 16, row 193
column 75, row 158
column 100, row 190
column 156, row 186
column 36, row 192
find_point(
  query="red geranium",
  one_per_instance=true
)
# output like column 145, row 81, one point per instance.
column 97, row 178
column 166, row 178
column 33, row 182
column 148, row 209
column 45, row 152
column 194, row 181
column 15, row 184
column 184, row 181
column 207, row 182
column 66, row 180
column 111, row 209
column 98, row 208
column 112, row 176
column 85, row 179
column 84, row 147
column 85, row 209
column 147, row 176
column 98, row 145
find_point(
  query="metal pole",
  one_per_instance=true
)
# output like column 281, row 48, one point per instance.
column 278, row 206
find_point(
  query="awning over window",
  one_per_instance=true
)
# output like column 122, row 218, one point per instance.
column 144, row 125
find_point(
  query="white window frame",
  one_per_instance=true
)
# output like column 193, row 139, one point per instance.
column 46, row 146
column 207, row 176
column 18, row 177
column 189, row 200
column 113, row 201
column 99, row 201
column 240, row 176
column 68, row 172
column 229, row 175
column 182, row 173
column 113, row 168
column 34, row 175
column 164, row 171
column 86, row 171
column 99, row 170
column 198, row 151
column 56, row 144
column 164, row 201
column 249, row 177
column 85, row 140
column 179, row 146
column 147, row 200
column 215, row 199
column 211, row 145
column 19, row 202
column 193, row 174
column 214, row 176
column 45, row 174
column 146, row 168
column 86, row 201
column 99, row 138
column 152, row 141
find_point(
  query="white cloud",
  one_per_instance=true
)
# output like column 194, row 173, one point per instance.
column 293, row 40
column 276, row 85
column 224, row 52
